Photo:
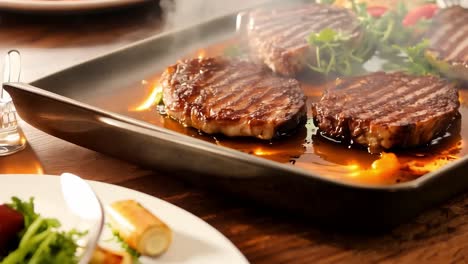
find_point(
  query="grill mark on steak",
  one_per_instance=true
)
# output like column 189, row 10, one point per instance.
column 264, row 22
column 445, row 30
column 270, row 98
column 460, row 52
column 449, row 35
column 263, row 17
column 236, row 91
column 423, row 97
column 278, row 36
column 244, row 96
column 225, row 77
column 374, row 95
column 285, row 31
column 401, row 94
column 248, row 101
column 315, row 24
column 454, row 35
column 294, row 38
column 383, row 111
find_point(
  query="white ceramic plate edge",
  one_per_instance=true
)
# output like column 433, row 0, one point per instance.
column 108, row 192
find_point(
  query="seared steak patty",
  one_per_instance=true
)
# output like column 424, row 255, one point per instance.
column 278, row 36
column 383, row 111
column 232, row 97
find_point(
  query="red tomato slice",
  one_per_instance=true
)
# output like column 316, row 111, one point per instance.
column 426, row 11
column 11, row 222
column 377, row 11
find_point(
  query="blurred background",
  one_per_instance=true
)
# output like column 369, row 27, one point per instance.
column 63, row 38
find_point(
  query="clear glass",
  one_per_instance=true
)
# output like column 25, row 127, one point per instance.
column 11, row 138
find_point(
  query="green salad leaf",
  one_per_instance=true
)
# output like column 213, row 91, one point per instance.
column 384, row 36
column 416, row 62
column 41, row 241
column 332, row 53
column 388, row 30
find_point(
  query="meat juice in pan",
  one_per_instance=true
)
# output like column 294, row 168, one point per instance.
column 306, row 148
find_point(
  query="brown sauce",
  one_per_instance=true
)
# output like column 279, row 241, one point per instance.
column 306, row 148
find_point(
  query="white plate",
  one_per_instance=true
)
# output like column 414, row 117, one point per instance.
column 194, row 241
column 64, row 5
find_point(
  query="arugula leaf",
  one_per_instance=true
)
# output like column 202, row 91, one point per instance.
column 416, row 61
column 333, row 54
column 386, row 36
column 386, row 30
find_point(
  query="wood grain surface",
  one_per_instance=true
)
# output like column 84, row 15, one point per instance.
column 50, row 43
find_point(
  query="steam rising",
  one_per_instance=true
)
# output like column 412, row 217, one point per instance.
column 181, row 13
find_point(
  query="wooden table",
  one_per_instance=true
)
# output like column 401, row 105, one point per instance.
column 49, row 43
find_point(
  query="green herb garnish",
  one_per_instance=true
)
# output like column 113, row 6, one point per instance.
column 385, row 36
column 416, row 62
column 158, row 95
column 117, row 238
column 332, row 53
column 40, row 241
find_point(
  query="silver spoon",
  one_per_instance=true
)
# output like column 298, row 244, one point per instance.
column 83, row 202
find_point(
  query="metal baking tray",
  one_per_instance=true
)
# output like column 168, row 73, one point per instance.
column 63, row 107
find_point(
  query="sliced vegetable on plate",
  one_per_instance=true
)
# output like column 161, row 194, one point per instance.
column 139, row 228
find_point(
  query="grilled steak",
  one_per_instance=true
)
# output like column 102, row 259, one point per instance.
column 232, row 97
column 383, row 111
column 449, row 42
column 278, row 36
